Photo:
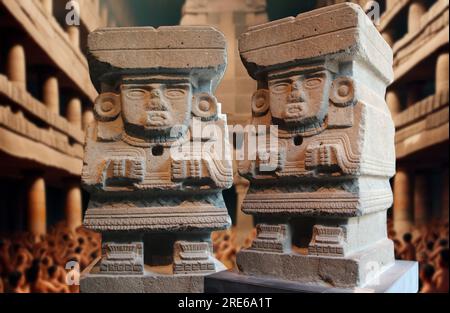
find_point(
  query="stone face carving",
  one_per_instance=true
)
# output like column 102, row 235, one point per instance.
column 322, row 79
column 150, row 172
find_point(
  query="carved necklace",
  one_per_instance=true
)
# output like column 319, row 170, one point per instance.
column 164, row 141
column 307, row 131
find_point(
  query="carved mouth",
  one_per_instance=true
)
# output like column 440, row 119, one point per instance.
column 158, row 119
column 295, row 111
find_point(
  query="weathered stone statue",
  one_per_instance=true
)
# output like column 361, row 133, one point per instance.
column 156, row 181
column 322, row 79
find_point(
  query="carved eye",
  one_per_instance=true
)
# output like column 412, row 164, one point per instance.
column 280, row 88
column 137, row 94
column 312, row 83
column 175, row 93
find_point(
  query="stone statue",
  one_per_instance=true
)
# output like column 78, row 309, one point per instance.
column 322, row 79
column 155, row 181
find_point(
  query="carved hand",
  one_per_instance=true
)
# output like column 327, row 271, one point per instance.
column 322, row 156
column 129, row 169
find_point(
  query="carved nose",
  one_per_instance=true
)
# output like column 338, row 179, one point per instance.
column 296, row 93
column 296, row 96
column 155, row 94
column 157, row 103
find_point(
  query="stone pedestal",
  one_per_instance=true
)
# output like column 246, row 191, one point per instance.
column 355, row 269
column 154, row 280
column 400, row 277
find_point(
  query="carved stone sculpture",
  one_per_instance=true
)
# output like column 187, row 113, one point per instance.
column 156, row 191
column 322, row 79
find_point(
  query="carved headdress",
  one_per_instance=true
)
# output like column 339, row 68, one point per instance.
column 197, row 51
column 344, row 34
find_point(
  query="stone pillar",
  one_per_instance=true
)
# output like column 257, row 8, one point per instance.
column 88, row 118
column 442, row 79
column 36, row 207
column 51, row 94
column 421, row 205
column 73, row 206
column 74, row 108
column 402, row 203
column 444, row 201
column 394, row 102
column 417, row 9
column 388, row 35
column 48, row 6
column 390, row 4
column 74, row 35
column 16, row 65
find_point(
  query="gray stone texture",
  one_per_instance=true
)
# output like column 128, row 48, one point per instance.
column 322, row 80
column 156, row 191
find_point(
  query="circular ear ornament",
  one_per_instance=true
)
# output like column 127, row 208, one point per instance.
column 343, row 91
column 205, row 107
column 107, row 107
column 260, row 102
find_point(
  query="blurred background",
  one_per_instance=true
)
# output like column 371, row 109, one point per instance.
column 46, row 101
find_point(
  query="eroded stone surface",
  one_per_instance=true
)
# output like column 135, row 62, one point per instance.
column 154, row 180
column 322, row 79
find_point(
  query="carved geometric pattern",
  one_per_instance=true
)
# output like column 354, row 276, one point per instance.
column 321, row 156
column 125, row 168
column 327, row 241
column 156, row 218
column 341, row 204
column 271, row 238
column 192, row 257
column 121, row 258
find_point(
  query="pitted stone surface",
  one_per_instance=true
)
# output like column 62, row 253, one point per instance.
column 322, row 80
column 154, row 174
